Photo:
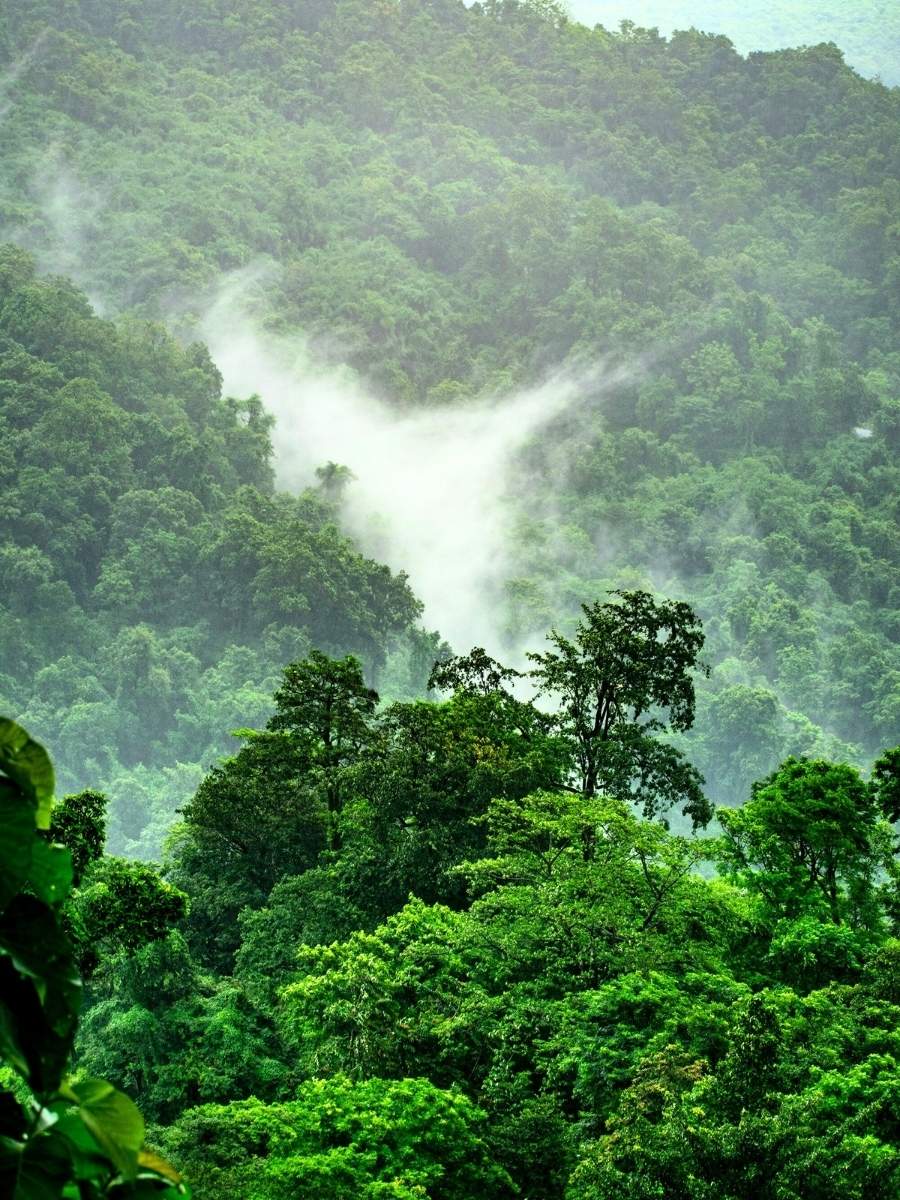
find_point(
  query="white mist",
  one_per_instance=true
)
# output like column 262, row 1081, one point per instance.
column 432, row 487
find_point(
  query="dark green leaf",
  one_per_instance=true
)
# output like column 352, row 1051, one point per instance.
column 51, row 872
column 28, row 765
column 40, row 991
column 17, row 843
column 12, row 1118
column 44, row 1168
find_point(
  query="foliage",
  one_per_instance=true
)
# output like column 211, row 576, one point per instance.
column 60, row 1136
column 403, row 1140
column 738, row 1130
column 122, row 905
column 326, row 710
column 568, row 1001
column 811, row 839
column 78, row 822
column 151, row 581
column 452, row 201
column 446, row 947
column 630, row 661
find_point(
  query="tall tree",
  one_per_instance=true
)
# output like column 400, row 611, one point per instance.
column 812, row 839
column 629, row 665
column 78, row 821
column 325, row 708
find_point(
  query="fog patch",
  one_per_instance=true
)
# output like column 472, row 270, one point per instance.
column 69, row 220
column 14, row 72
column 71, row 213
column 434, row 491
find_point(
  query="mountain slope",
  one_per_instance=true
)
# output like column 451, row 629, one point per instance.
column 455, row 200
column 152, row 581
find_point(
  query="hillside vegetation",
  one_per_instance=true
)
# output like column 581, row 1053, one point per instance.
column 867, row 31
column 459, row 199
column 153, row 583
column 432, row 950
column 612, row 915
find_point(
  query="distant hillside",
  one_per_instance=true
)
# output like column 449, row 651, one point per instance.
column 152, row 584
column 868, row 31
column 454, row 201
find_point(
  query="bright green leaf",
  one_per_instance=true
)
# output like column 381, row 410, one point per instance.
column 113, row 1119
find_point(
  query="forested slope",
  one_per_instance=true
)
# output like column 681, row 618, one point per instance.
column 432, row 930
column 152, row 582
column 868, row 31
column 457, row 200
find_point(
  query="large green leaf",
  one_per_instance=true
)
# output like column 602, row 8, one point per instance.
column 114, row 1121
column 10, row 1159
column 12, row 1118
column 13, row 1049
column 40, row 992
column 17, row 841
column 29, row 1042
column 88, row 1160
column 51, row 872
column 28, row 765
column 39, row 949
column 37, row 1170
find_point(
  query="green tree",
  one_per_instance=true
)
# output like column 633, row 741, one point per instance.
column 630, row 663
column 173, row 1037
column 419, row 795
column 772, row 1119
column 258, row 817
column 376, row 1138
column 121, row 905
column 272, row 810
column 79, row 822
column 325, row 709
column 811, row 840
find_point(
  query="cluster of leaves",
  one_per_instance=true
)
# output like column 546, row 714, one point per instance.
column 150, row 581
column 60, row 1137
column 385, row 1139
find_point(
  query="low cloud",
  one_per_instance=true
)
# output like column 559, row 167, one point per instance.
column 14, row 72
column 433, row 488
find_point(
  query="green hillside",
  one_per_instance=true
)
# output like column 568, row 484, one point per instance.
column 153, row 582
column 606, row 909
column 867, row 31
column 459, row 200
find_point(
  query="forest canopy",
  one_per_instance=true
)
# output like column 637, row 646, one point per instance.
column 603, row 908
column 414, row 948
column 452, row 201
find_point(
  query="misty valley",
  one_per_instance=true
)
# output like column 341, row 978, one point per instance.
column 449, row 600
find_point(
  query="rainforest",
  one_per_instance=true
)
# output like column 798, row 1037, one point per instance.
column 449, row 600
